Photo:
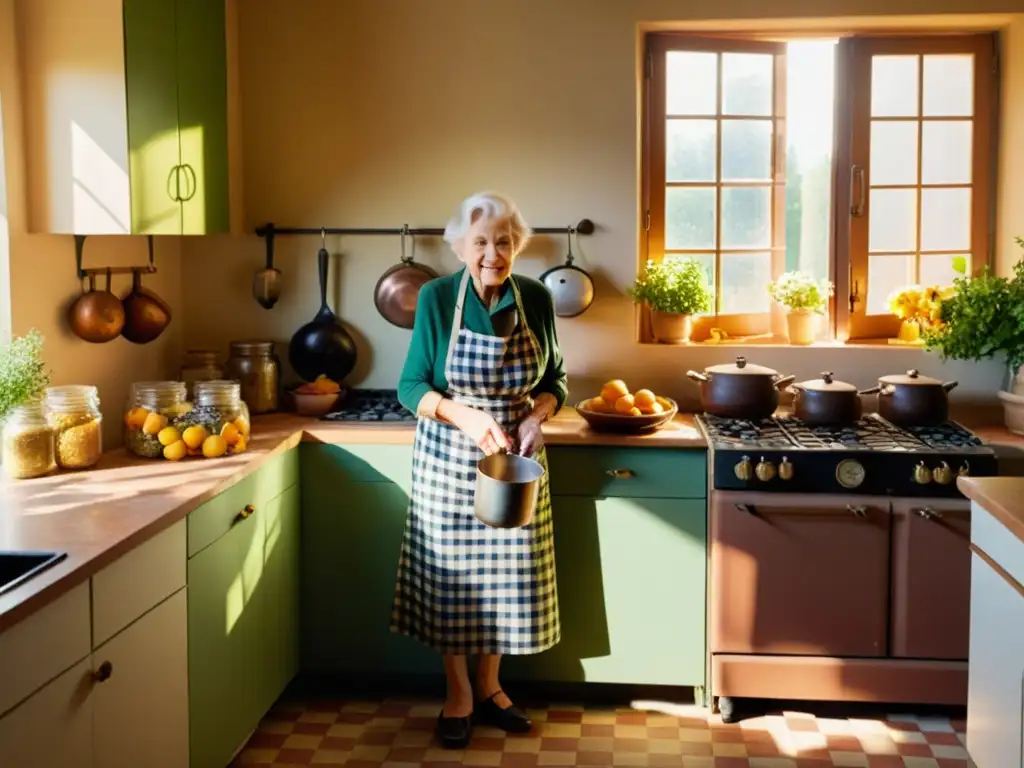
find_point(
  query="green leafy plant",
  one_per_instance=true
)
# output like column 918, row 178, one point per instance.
column 983, row 318
column 799, row 290
column 675, row 286
column 23, row 374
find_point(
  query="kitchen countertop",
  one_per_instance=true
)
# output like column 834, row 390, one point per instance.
column 999, row 495
column 98, row 515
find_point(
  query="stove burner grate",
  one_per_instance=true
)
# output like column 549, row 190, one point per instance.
column 375, row 405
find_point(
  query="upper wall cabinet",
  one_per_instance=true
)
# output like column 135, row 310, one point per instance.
column 126, row 115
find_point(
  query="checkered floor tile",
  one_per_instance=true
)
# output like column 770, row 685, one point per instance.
column 399, row 734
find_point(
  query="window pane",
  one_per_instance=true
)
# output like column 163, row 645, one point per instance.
column 746, row 150
column 893, row 152
column 892, row 220
column 946, row 152
column 691, row 83
column 747, row 83
column 948, row 85
column 894, row 86
column 745, row 278
column 887, row 274
column 938, row 269
column 945, row 219
column 689, row 218
column 690, row 150
column 746, row 217
column 706, row 260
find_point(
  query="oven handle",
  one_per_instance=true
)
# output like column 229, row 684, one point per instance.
column 858, row 511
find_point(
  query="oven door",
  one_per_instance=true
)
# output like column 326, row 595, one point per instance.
column 799, row 574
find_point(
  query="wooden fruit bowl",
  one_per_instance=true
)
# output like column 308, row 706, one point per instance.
column 623, row 423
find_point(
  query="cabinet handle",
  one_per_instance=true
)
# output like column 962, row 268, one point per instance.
column 191, row 182
column 106, row 669
column 620, row 474
column 857, row 183
column 174, row 184
column 246, row 513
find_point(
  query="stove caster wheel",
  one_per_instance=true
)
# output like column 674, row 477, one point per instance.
column 727, row 709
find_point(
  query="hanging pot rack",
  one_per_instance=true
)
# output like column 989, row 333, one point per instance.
column 148, row 269
column 270, row 230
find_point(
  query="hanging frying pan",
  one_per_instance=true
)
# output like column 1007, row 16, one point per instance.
column 399, row 288
column 571, row 286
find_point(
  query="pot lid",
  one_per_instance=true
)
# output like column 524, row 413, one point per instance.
column 826, row 384
column 742, row 366
column 911, row 377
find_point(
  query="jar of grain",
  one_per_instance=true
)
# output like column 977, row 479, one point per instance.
column 200, row 365
column 74, row 414
column 152, row 406
column 220, row 414
column 28, row 442
column 255, row 366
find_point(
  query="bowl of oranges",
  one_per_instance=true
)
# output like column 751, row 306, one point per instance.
column 617, row 409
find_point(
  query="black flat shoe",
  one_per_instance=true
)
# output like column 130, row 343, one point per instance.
column 510, row 720
column 454, row 732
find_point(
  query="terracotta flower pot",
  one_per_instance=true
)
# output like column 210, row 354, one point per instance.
column 803, row 326
column 670, row 328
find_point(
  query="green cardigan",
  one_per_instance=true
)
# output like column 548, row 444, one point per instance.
column 428, row 349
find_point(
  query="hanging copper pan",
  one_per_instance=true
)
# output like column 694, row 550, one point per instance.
column 398, row 289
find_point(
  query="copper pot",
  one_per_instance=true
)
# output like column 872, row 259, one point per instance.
column 912, row 400
column 740, row 390
column 146, row 314
column 96, row 316
column 826, row 401
column 398, row 289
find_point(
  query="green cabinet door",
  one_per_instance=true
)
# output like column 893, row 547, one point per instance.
column 201, row 32
column 151, row 83
column 280, row 645
column 631, row 593
column 351, row 540
column 226, row 623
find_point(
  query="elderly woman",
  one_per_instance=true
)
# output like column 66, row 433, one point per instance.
column 483, row 372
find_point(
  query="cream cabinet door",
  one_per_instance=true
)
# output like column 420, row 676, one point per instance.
column 54, row 726
column 141, row 698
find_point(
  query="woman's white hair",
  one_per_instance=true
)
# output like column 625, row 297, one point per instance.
column 490, row 206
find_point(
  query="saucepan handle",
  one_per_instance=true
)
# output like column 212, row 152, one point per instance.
column 949, row 386
column 870, row 391
column 784, row 381
column 698, row 376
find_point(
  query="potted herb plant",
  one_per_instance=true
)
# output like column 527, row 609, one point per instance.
column 805, row 300
column 984, row 318
column 674, row 290
column 26, row 438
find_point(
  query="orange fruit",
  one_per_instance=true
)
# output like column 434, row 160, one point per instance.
column 154, row 423
column 635, row 412
column 231, row 433
column 175, row 451
column 214, row 446
column 644, row 398
column 653, row 408
column 135, row 418
column 597, row 405
column 613, row 390
column 624, row 404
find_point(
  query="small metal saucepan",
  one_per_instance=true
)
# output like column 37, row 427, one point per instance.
column 507, row 486
column 740, row 390
column 912, row 400
column 399, row 288
column 826, row 401
column 571, row 287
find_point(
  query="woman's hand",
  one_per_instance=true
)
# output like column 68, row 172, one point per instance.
column 530, row 437
column 479, row 425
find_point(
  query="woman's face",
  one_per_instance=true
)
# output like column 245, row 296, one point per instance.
column 488, row 253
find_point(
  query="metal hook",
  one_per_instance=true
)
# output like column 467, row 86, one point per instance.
column 569, row 257
column 405, row 231
column 150, row 243
column 323, row 238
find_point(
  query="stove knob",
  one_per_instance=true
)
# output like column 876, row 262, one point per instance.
column 965, row 470
column 765, row 470
column 785, row 469
column 943, row 474
column 744, row 470
column 922, row 475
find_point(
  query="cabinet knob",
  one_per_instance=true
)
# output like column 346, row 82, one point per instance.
column 247, row 512
column 922, row 475
column 927, row 513
column 103, row 673
column 764, row 470
column 857, row 511
column 620, row 474
column 744, row 470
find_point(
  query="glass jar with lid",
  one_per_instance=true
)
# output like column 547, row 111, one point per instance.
column 152, row 406
column 74, row 414
column 27, row 438
column 220, row 417
column 200, row 365
column 255, row 366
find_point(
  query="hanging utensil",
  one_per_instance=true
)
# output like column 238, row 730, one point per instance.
column 266, row 283
column 571, row 287
column 96, row 316
column 322, row 346
column 399, row 288
column 146, row 315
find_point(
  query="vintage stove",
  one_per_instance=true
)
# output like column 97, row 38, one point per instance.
column 868, row 457
column 373, row 406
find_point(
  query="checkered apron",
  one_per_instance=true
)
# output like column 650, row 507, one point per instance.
column 463, row 587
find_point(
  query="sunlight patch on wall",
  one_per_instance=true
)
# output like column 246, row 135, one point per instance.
column 5, row 244
column 100, row 194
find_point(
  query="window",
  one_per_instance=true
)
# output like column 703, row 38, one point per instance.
column 753, row 167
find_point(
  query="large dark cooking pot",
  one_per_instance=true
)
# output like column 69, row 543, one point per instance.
column 740, row 390
column 912, row 400
column 826, row 401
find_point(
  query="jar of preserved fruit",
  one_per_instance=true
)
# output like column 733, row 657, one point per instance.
column 219, row 422
column 74, row 414
column 27, row 442
column 152, row 407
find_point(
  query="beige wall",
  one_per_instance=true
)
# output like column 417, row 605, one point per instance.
column 43, row 280
column 376, row 113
